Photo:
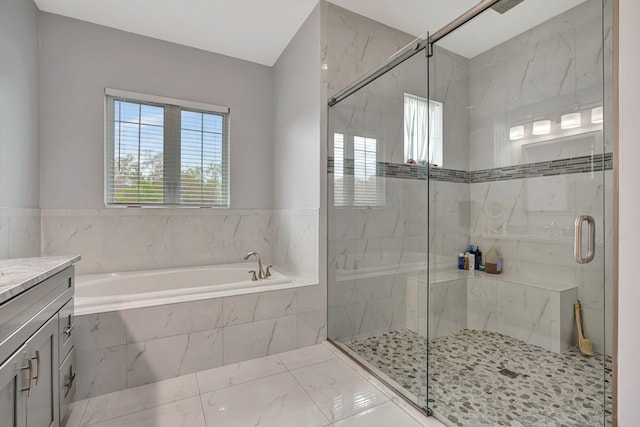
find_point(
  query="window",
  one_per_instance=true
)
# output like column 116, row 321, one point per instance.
column 422, row 130
column 355, row 163
column 163, row 151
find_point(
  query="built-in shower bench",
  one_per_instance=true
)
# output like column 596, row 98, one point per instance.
column 535, row 311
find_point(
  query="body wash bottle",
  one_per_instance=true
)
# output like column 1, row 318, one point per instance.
column 472, row 258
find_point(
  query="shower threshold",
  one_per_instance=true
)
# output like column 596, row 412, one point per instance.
column 487, row 378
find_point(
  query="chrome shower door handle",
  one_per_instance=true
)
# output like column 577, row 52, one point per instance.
column 577, row 246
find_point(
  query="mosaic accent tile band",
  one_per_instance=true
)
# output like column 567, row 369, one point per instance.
column 479, row 378
column 582, row 164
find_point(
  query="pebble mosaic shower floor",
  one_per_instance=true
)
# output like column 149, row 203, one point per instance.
column 466, row 387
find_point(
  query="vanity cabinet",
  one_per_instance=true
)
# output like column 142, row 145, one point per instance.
column 37, row 377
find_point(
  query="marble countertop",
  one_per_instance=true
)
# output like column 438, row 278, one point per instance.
column 19, row 274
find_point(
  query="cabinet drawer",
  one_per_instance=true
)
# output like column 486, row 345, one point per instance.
column 67, row 375
column 66, row 330
column 23, row 315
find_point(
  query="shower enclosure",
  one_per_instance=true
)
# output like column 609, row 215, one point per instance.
column 498, row 143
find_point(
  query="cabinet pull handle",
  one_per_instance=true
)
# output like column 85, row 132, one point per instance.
column 68, row 385
column 37, row 358
column 68, row 329
column 30, row 368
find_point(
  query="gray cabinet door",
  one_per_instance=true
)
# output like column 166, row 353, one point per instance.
column 13, row 379
column 42, row 403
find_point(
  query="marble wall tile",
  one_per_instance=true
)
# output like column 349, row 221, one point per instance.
column 100, row 331
column 562, row 320
column 482, row 304
column 159, row 359
column 449, row 217
column 312, row 298
column 597, row 330
column 151, row 323
column 542, row 73
column 449, row 83
column 312, row 328
column 523, row 312
column 447, row 308
column 136, row 238
column 412, row 304
column 258, row 339
column 259, row 306
column 349, row 36
column 100, row 371
column 295, row 238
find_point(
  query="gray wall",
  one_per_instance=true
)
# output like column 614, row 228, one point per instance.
column 19, row 173
column 296, row 142
column 78, row 60
column 19, row 104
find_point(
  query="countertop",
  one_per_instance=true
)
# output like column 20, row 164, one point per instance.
column 19, row 274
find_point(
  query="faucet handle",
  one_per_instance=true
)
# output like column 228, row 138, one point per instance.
column 253, row 275
column 268, row 273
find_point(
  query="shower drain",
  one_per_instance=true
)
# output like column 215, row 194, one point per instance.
column 508, row 373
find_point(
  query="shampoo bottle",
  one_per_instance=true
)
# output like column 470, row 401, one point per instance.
column 472, row 258
column 478, row 255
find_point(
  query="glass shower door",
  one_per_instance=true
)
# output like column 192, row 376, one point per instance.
column 527, row 178
column 377, row 228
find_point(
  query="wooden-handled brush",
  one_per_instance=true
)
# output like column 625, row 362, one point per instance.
column 585, row 345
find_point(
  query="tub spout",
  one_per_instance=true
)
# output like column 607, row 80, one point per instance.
column 261, row 272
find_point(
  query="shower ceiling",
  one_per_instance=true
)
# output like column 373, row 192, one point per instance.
column 477, row 36
column 258, row 30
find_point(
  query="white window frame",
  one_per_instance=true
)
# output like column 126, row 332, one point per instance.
column 349, row 198
column 172, row 144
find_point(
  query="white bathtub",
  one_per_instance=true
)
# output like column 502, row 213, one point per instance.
column 98, row 293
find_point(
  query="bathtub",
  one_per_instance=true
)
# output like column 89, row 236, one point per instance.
column 98, row 293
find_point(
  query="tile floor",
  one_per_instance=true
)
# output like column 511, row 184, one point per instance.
column 313, row 386
column 466, row 387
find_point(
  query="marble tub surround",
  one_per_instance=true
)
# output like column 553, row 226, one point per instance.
column 19, row 274
column 465, row 387
column 295, row 241
column 129, row 239
column 128, row 348
column 306, row 395
column 19, row 232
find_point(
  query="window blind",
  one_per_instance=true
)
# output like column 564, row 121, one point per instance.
column 339, row 185
column 355, row 177
column 366, row 188
column 165, row 154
